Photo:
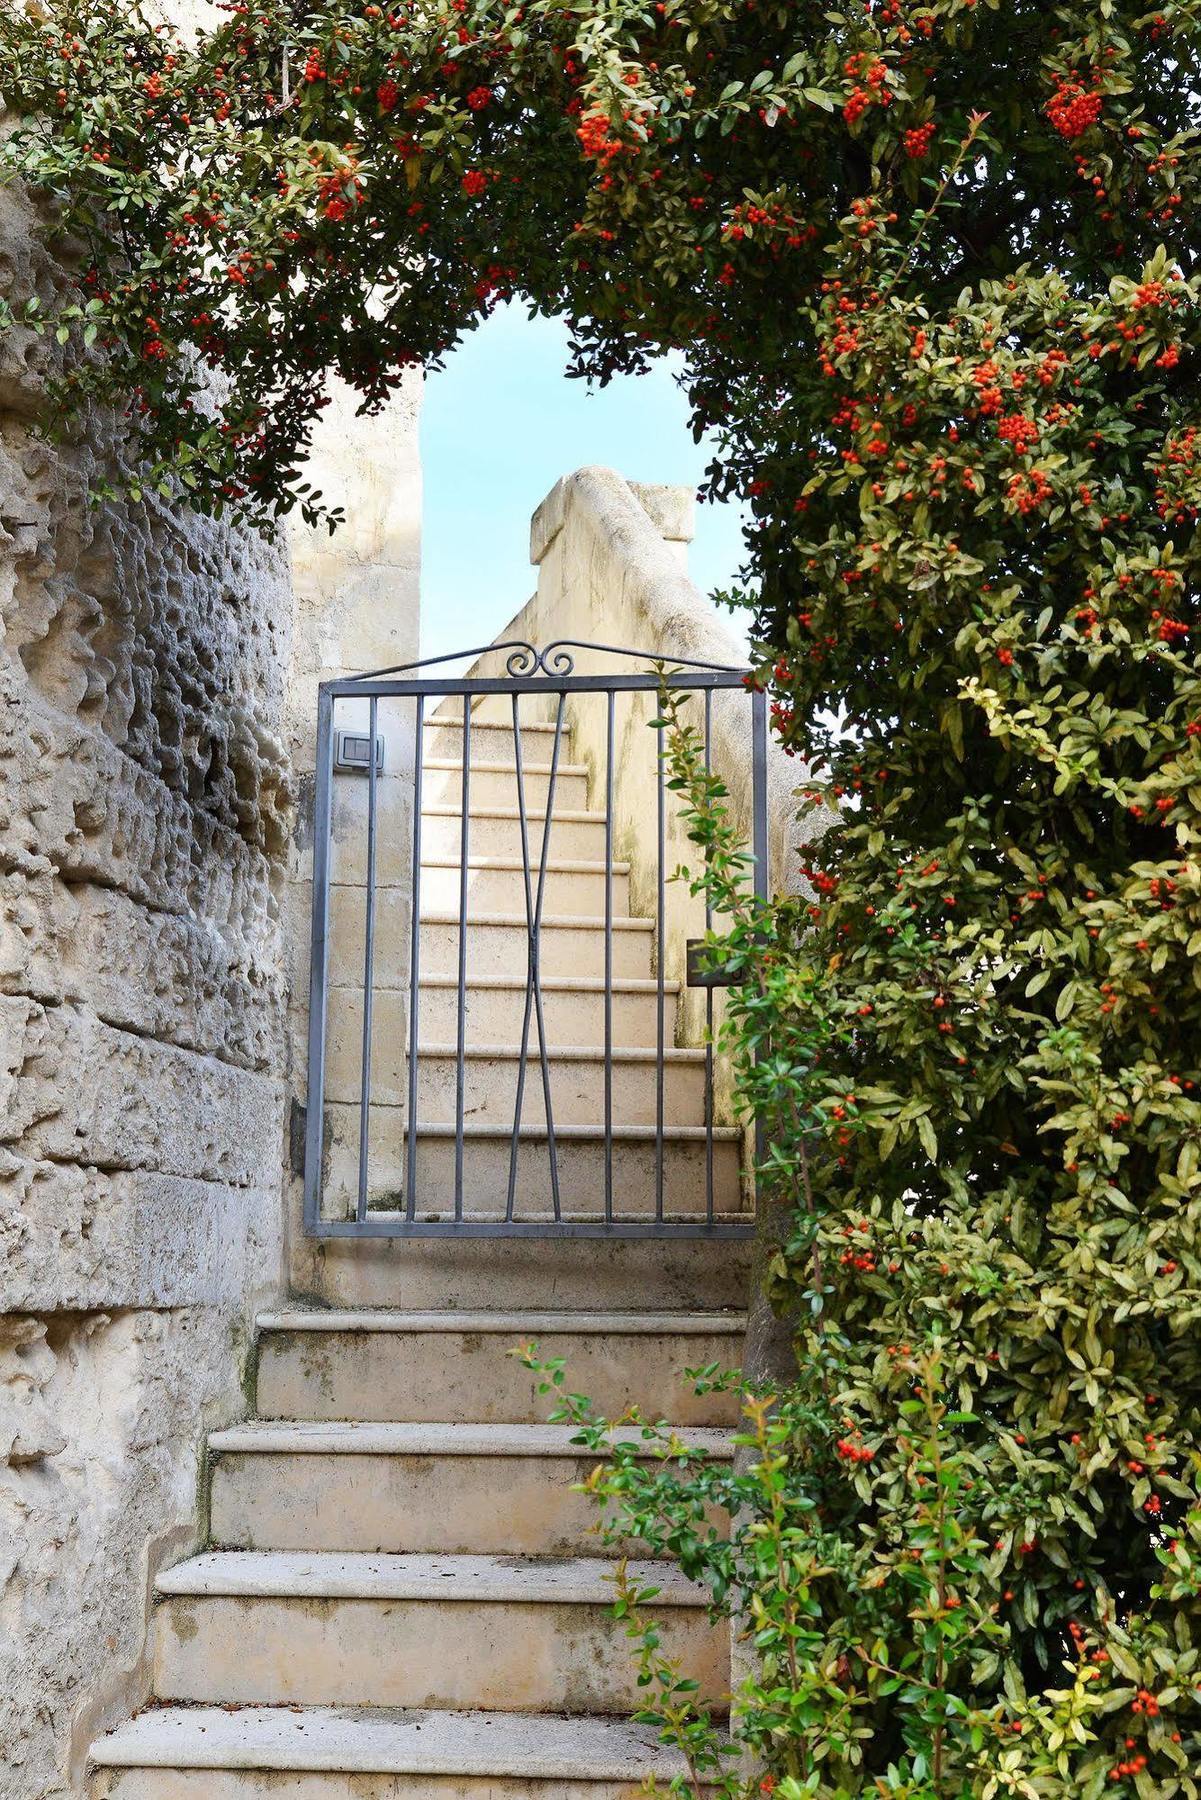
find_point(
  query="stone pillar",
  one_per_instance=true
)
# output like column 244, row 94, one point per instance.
column 357, row 596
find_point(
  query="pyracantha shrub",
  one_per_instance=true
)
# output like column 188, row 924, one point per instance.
column 310, row 187
column 932, row 268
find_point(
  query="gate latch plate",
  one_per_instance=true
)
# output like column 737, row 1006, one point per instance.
column 351, row 751
column 702, row 972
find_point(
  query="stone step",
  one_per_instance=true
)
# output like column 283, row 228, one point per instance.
column 579, row 1156
column 573, row 1009
column 443, row 1632
column 494, row 783
column 576, row 1079
column 572, row 1016
column 316, row 1753
column 492, row 741
column 498, row 943
column 572, row 1274
column 422, row 1366
column 576, row 835
column 571, row 944
column 494, row 1490
column 497, row 884
column 490, row 1074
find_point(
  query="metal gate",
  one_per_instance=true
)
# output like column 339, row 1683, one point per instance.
column 469, row 915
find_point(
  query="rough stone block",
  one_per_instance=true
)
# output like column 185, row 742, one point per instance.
column 84, row 1092
column 81, row 1240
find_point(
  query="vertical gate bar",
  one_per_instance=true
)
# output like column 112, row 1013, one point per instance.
column 464, row 851
column 314, row 1138
column 759, row 834
column 759, row 789
column 552, row 1144
column 414, row 966
column 611, row 698
column 368, row 962
column 531, row 951
column 533, row 985
column 709, row 1002
column 660, row 996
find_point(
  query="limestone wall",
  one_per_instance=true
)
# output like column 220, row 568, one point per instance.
column 144, row 830
column 612, row 560
column 356, row 609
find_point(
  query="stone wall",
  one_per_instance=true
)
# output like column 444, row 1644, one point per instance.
column 612, row 561
column 356, row 609
column 144, row 831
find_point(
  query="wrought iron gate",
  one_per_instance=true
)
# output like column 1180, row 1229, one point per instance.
column 405, row 1135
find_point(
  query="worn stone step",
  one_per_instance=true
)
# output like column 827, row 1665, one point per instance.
column 490, row 1078
column 498, row 944
column 571, row 1015
column 492, row 740
column 496, row 831
column 572, row 1274
column 573, row 1008
column 580, row 1159
column 576, row 1079
column 493, row 782
column 445, row 1632
column 316, row 1753
column 495, row 1490
column 497, row 884
column 422, row 1366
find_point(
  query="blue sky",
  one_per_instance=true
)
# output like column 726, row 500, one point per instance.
column 499, row 426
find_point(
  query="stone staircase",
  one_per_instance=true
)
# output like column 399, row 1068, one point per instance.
column 402, row 1598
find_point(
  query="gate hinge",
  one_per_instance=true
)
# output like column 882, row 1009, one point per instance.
column 298, row 1122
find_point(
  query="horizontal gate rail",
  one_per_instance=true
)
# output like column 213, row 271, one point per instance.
column 429, row 1187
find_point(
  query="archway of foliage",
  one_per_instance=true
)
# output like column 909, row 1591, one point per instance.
column 932, row 269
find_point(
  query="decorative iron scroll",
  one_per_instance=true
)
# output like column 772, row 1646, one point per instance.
column 525, row 662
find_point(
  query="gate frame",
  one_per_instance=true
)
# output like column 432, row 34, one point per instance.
column 549, row 672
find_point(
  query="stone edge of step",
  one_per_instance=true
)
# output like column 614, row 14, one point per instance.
column 555, row 984
column 355, row 1437
column 555, row 865
column 546, row 1324
column 324, row 1575
column 593, row 1134
column 454, row 722
column 453, row 765
column 674, row 1055
column 345, row 1740
column 517, row 921
column 570, row 815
